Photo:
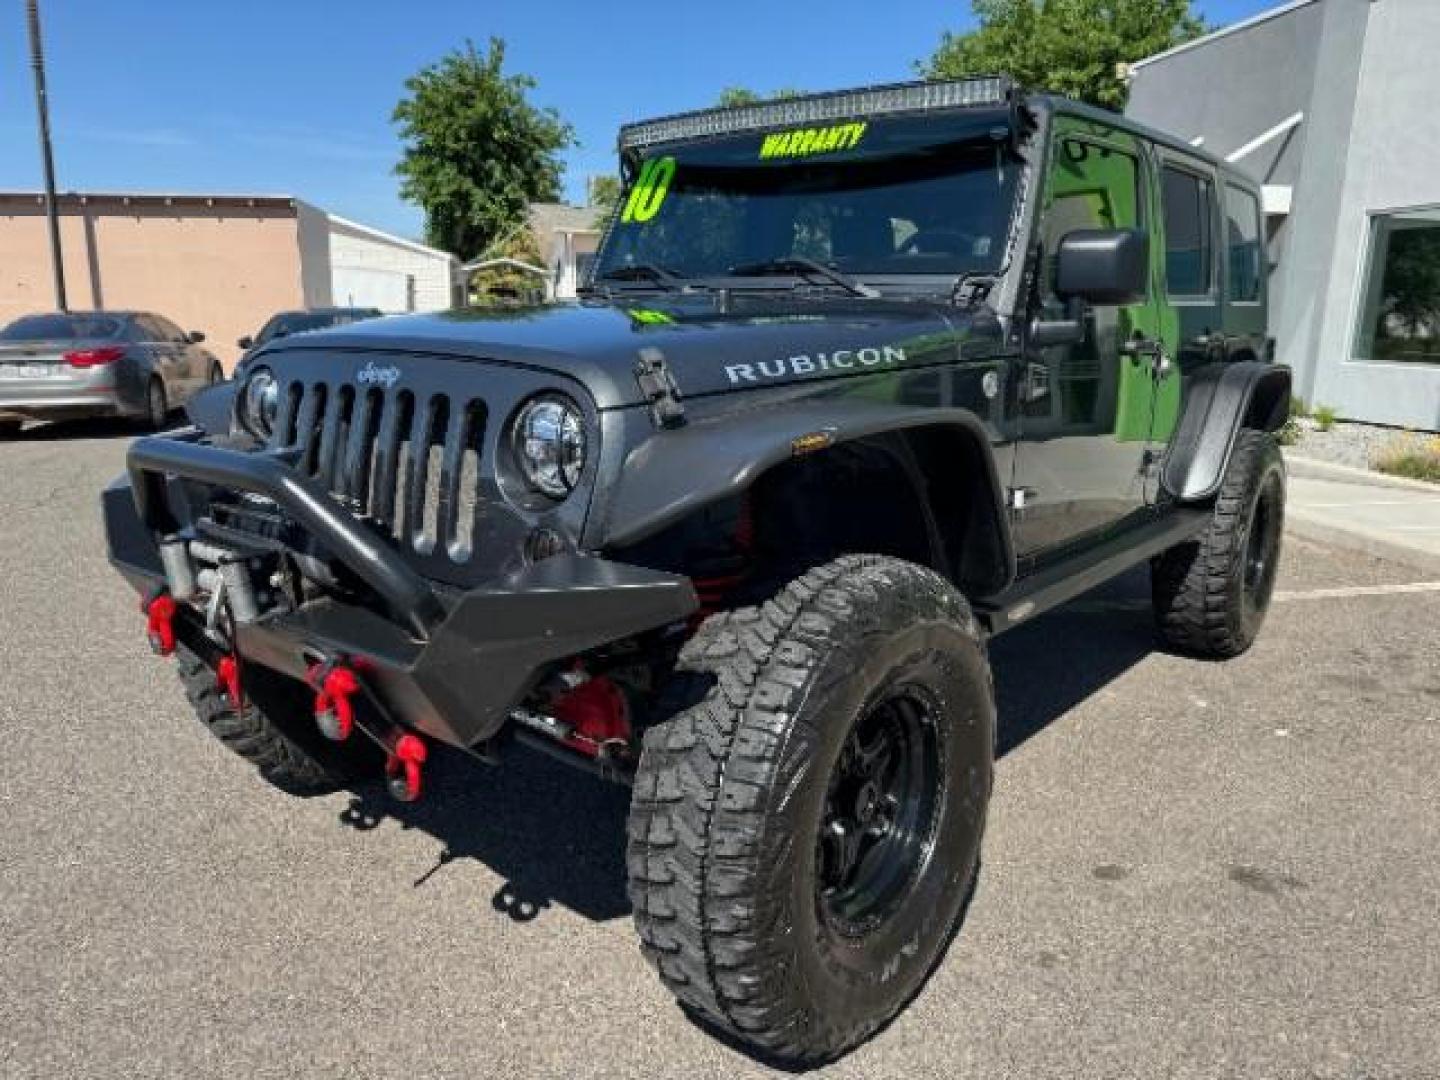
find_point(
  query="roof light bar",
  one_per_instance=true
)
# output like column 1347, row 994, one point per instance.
column 818, row 108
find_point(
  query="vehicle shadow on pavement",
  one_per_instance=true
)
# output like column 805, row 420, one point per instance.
column 556, row 834
column 1046, row 668
column 59, row 430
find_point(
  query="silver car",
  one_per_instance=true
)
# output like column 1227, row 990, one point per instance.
column 65, row 365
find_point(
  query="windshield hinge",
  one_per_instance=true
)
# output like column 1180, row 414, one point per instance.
column 658, row 386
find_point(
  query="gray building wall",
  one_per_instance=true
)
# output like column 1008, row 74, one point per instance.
column 1393, row 164
column 1366, row 75
column 1269, row 65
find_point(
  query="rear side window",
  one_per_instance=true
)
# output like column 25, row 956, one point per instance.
column 1242, row 243
column 1188, row 199
column 60, row 328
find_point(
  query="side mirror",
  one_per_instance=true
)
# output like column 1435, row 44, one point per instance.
column 245, row 342
column 194, row 337
column 1105, row 267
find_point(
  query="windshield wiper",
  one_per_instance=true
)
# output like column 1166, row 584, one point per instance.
column 657, row 275
column 799, row 267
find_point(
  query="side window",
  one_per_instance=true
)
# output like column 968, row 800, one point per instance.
column 167, row 330
column 1188, row 199
column 1242, row 244
column 147, row 329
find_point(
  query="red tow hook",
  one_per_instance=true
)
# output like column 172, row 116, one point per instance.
column 403, row 767
column 227, row 681
column 159, row 612
column 334, row 686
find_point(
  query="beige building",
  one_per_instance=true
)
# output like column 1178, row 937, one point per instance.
column 221, row 264
column 568, row 237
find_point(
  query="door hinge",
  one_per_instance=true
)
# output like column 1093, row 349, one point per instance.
column 658, row 386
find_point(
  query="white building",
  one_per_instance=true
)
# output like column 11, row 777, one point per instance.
column 353, row 265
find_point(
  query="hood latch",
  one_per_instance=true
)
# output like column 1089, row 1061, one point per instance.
column 658, row 385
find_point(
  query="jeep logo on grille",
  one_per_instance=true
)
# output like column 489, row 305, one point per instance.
column 370, row 375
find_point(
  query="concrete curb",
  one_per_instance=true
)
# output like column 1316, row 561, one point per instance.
column 1315, row 469
column 1360, row 541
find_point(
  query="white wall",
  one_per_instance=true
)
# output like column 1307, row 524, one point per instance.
column 314, row 235
column 360, row 254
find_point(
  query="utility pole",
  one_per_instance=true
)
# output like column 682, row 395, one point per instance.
column 42, row 107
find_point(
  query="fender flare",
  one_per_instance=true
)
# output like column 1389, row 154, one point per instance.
column 677, row 472
column 1220, row 400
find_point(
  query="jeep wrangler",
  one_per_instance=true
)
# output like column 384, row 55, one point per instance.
column 858, row 381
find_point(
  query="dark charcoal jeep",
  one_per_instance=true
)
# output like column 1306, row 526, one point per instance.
column 861, row 380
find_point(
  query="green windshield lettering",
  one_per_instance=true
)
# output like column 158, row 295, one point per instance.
column 648, row 194
column 807, row 141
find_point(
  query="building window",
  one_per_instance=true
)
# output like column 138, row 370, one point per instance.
column 1188, row 200
column 1242, row 242
column 1400, row 318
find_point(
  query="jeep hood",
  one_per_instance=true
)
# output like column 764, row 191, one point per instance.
column 710, row 345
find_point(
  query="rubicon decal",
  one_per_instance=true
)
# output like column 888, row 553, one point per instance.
column 810, row 363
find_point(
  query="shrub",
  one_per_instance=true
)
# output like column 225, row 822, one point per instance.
column 1324, row 417
column 1412, row 456
column 1289, row 433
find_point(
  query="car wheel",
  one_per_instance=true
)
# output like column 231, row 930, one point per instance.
column 215, row 375
column 1211, row 594
column 157, row 405
column 273, row 729
column 806, row 821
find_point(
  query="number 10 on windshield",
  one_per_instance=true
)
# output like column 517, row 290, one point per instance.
column 648, row 194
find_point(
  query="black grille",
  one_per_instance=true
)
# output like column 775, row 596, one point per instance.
column 410, row 463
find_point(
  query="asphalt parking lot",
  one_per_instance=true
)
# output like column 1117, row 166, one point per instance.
column 1192, row 869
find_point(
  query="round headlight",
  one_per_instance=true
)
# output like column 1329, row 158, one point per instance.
column 260, row 403
column 549, row 442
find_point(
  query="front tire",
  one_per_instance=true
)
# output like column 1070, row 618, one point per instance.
column 1211, row 594
column 788, row 887
column 273, row 730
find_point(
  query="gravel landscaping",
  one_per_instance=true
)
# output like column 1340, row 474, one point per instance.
column 1353, row 444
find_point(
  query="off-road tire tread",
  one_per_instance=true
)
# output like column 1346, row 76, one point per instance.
column 252, row 734
column 699, row 805
column 1190, row 583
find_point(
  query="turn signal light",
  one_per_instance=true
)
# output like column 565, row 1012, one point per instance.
column 87, row 358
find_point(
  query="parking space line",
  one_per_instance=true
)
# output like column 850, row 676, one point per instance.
column 1346, row 591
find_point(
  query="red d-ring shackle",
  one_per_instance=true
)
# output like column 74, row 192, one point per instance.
column 334, row 686
column 159, row 611
column 403, row 767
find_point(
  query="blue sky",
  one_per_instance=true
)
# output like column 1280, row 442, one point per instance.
column 295, row 98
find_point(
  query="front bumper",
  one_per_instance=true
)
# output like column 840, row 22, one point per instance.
column 449, row 663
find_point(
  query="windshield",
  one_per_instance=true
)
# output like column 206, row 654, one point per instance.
column 298, row 322
column 60, row 328
column 916, row 195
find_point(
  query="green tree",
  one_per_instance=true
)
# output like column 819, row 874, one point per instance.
column 1073, row 47
column 477, row 152
column 739, row 95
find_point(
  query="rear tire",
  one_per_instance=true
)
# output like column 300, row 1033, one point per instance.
column 1211, row 594
column 784, row 888
column 157, row 406
column 273, row 731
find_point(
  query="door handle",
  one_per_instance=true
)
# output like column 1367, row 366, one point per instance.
column 1152, row 349
column 1037, row 381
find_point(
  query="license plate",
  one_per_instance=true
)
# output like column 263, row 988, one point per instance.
column 26, row 371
